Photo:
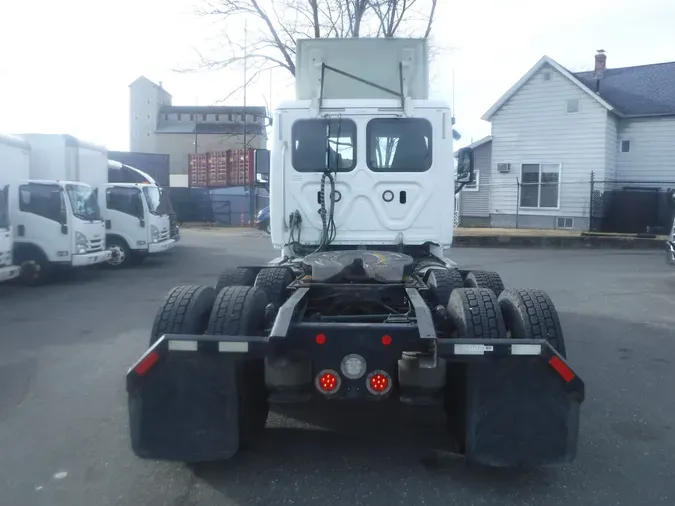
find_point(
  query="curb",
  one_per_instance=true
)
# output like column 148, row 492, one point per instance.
column 560, row 242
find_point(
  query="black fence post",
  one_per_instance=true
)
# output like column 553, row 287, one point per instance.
column 591, row 226
column 517, row 201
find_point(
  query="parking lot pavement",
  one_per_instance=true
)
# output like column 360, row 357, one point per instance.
column 63, row 418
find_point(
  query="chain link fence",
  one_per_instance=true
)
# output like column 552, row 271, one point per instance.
column 588, row 204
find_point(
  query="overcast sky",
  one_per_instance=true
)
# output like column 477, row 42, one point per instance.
column 65, row 65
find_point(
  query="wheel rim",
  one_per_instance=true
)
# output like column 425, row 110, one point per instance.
column 30, row 269
column 118, row 255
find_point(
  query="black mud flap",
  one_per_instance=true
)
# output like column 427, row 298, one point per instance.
column 521, row 412
column 184, row 407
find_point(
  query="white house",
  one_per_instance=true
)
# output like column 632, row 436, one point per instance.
column 554, row 127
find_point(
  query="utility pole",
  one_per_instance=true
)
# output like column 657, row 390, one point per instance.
column 251, row 191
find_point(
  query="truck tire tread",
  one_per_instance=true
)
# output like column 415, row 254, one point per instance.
column 185, row 310
column 530, row 314
column 475, row 314
column 485, row 279
column 274, row 281
column 235, row 276
column 442, row 282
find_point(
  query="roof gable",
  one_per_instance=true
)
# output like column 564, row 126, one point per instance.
column 645, row 90
column 545, row 60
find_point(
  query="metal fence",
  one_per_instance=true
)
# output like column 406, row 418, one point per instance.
column 631, row 206
column 223, row 206
column 589, row 204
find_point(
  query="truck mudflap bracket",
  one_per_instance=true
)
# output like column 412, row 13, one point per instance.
column 516, row 401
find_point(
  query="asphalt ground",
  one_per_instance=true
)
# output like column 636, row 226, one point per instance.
column 63, row 416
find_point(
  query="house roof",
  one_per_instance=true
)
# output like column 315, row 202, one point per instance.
column 478, row 143
column 644, row 90
column 212, row 109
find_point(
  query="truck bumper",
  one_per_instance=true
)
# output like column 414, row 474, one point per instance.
column 517, row 400
column 11, row 272
column 91, row 258
column 159, row 247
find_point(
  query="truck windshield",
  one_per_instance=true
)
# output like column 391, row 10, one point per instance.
column 4, row 207
column 399, row 145
column 84, row 202
column 324, row 144
column 154, row 199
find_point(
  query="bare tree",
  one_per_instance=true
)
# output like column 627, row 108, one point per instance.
column 274, row 26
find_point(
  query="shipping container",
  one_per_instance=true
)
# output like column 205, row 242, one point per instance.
column 154, row 164
column 220, row 169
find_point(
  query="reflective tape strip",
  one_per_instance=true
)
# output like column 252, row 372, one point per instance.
column 183, row 345
column 233, row 347
column 526, row 349
column 472, row 349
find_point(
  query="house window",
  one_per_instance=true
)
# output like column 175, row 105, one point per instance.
column 547, row 76
column 625, row 146
column 243, row 117
column 178, row 117
column 217, row 117
column 166, row 117
column 474, row 185
column 229, row 117
column 540, row 185
column 573, row 105
column 192, row 117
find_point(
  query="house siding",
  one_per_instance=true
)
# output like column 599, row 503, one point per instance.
column 652, row 150
column 533, row 126
column 474, row 206
column 611, row 147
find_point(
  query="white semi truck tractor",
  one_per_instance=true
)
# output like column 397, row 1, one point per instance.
column 56, row 219
column 14, row 166
column 362, row 304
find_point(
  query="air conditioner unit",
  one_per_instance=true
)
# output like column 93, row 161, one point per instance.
column 504, row 167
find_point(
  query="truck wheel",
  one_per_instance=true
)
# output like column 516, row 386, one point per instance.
column 530, row 314
column 35, row 269
column 236, row 276
column 274, row 281
column 485, row 279
column 240, row 311
column 475, row 314
column 442, row 282
column 185, row 310
column 121, row 254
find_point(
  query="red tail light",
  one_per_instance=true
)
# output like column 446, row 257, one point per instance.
column 327, row 381
column 378, row 382
column 386, row 340
column 320, row 339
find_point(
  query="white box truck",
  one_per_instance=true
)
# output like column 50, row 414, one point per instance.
column 56, row 220
column 135, row 224
column 14, row 160
column 137, row 219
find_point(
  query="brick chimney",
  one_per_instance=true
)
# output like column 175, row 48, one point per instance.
column 600, row 63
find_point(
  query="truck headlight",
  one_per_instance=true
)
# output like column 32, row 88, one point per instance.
column 154, row 233
column 80, row 243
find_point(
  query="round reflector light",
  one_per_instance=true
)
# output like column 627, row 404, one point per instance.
column 353, row 366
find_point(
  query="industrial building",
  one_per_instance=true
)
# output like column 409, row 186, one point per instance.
column 157, row 126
